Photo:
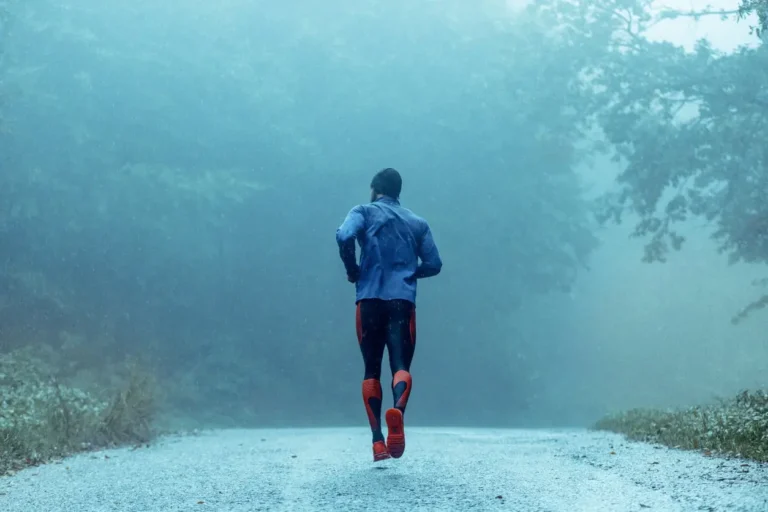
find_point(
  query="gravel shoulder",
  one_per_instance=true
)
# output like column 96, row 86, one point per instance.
column 443, row 469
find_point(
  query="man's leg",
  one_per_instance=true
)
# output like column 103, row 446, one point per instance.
column 401, row 345
column 371, row 334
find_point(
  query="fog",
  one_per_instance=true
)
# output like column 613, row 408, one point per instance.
column 174, row 173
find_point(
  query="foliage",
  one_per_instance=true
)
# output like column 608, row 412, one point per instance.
column 686, row 126
column 128, row 418
column 188, row 185
column 41, row 417
column 182, row 204
column 759, row 7
column 736, row 427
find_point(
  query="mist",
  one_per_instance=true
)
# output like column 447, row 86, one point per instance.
column 174, row 173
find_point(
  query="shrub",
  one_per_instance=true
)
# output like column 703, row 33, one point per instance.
column 737, row 427
column 42, row 418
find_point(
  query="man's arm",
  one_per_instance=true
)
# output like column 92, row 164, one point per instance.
column 431, row 264
column 345, row 237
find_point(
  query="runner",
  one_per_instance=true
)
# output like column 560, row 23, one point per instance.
column 397, row 249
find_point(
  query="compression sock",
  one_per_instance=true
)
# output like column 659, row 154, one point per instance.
column 372, row 401
column 401, row 389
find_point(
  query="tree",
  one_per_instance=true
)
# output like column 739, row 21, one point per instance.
column 688, row 128
column 190, row 187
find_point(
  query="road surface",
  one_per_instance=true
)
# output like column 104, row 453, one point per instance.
column 442, row 469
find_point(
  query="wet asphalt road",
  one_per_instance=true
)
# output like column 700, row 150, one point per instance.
column 442, row 469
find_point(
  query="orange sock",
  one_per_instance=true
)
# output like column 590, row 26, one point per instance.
column 372, row 401
column 401, row 389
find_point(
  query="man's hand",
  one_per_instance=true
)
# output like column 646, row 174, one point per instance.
column 354, row 275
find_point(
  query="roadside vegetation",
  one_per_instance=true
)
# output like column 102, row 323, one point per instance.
column 43, row 418
column 735, row 428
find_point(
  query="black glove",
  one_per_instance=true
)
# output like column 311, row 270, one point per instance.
column 354, row 275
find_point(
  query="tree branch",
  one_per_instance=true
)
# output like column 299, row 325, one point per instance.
column 673, row 13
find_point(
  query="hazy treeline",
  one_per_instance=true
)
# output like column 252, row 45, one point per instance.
column 173, row 174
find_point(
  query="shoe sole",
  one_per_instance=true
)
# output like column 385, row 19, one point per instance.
column 396, row 434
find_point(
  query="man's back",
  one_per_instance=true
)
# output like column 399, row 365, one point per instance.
column 392, row 241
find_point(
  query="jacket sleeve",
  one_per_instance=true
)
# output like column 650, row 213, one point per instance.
column 431, row 264
column 347, row 234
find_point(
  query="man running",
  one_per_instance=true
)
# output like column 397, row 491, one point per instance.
column 392, row 241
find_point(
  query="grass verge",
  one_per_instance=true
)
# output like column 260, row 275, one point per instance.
column 43, row 419
column 737, row 427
